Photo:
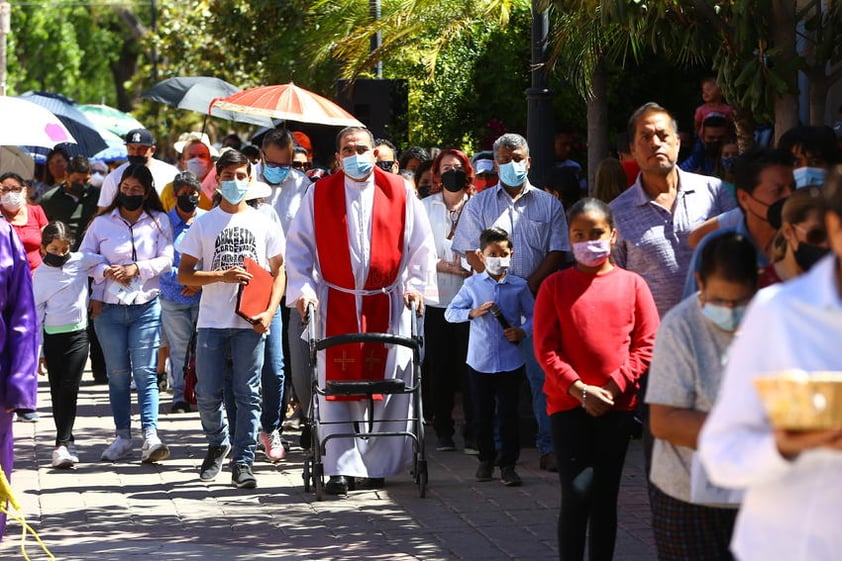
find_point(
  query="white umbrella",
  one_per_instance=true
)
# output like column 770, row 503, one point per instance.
column 28, row 124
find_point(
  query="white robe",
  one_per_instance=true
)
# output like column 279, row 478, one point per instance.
column 357, row 457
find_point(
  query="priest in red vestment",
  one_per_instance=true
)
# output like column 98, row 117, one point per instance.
column 361, row 249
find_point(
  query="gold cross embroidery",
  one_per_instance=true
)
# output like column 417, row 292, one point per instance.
column 372, row 360
column 344, row 360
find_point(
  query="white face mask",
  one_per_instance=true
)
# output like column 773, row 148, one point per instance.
column 198, row 166
column 97, row 179
column 496, row 265
column 13, row 201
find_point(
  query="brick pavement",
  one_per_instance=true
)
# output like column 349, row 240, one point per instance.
column 127, row 510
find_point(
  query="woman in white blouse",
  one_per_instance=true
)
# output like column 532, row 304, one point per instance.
column 134, row 236
column 447, row 343
column 793, row 499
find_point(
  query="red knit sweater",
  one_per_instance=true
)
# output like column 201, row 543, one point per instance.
column 593, row 327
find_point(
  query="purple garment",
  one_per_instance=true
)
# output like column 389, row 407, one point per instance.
column 18, row 346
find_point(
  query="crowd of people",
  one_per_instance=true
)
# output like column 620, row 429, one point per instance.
column 631, row 312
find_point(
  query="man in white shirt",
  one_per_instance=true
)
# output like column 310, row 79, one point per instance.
column 140, row 146
column 221, row 239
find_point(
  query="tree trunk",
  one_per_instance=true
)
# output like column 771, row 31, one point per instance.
column 782, row 33
column 597, row 122
column 744, row 123
column 818, row 95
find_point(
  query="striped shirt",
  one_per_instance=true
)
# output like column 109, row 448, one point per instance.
column 535, row 222
column 652, row 241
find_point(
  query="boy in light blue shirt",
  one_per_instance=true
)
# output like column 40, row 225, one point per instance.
column 499, row 307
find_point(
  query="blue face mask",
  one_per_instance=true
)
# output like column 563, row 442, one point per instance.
column 724, row 317
column 275, row 175
column 513, row 173
column 728, row 163
column 234, row 191
column 357, row 166
column 804, row 177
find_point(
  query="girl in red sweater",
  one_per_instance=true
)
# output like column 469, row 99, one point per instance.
column 594, row 328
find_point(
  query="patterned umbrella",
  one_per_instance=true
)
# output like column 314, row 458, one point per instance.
column 88, row 139
column 28, row 124
column 287, row 102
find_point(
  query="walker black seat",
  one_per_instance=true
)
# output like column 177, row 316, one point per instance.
column 364, row 387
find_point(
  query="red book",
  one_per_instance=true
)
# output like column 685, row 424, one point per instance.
column 253, row 298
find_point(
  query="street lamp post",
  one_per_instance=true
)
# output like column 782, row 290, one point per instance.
column 539, row 127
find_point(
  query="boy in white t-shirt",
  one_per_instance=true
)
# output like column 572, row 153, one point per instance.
column 220, row 240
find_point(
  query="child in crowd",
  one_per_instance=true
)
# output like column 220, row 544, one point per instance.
column 499, row 307
column 60, row 285
column 713, row 103
column 595, row 330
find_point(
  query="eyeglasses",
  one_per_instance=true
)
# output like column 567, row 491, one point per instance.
column 5, row 190
column 304, row 166
column 448, row 167
column 813, row 236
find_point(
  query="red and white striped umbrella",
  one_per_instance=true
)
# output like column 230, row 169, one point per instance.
column 286, row 102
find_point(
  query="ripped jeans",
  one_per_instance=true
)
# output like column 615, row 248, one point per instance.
column 130, row 336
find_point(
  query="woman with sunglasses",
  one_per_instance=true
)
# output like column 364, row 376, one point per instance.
column 801, row 239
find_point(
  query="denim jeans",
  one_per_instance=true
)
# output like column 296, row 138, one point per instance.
column 177, row 323
column 129, row 336
column 272, row 376
column 246, row 349
column 535, row 375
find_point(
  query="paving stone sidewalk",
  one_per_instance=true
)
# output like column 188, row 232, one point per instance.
column 128, row 510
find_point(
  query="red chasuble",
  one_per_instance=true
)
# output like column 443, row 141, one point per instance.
column 359, row 361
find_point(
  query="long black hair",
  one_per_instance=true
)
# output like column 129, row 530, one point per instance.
column 144, row 176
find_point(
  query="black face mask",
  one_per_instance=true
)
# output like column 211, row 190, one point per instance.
column 131, row 202
column 453, row 180
column 188, row 203
column 385, row 165
column 423, row 191
column 807, row 255
column 77, row 189
column 138, row 160
column 54, row 260
column 773, row 213
column 712, row 149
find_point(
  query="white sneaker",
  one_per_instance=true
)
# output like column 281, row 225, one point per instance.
column 119, row 448
column 273, row 446
column 153, row 450
column 62, row 458
column 74, row 454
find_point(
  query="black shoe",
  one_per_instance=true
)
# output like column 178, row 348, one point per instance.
column 509, row 477
column 370, row 482
column 337, row 485
column 242, row 477
column 548, row 462
column 180, row 407
column 306, row 435
column 212, row 464
column 446, row 444
column 485, row 471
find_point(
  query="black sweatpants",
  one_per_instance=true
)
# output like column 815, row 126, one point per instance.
column 65, row 354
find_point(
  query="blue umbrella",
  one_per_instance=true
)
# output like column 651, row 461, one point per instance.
column 88, row 140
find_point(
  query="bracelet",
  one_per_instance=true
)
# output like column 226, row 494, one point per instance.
column 584, row 395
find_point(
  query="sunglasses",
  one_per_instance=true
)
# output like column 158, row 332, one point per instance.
column 385, row 165
column 304, row 166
